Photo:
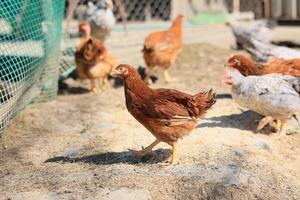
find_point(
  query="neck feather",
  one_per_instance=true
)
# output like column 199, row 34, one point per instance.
column 134, row 84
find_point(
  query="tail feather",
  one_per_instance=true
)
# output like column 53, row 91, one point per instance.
column 203, row 101
column 147, row 50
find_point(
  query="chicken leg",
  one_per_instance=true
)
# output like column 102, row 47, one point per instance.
column 266, row 120
column 280, row 133
column 93, row 86
column 167, row 77
column 149, row 73
column 175, row 158
column 103, row 83
column 147, row 150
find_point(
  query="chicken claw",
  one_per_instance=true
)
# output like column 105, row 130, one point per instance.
column 140, row 153
column 280, row 133
column 94, row 90
column 175, row 158
column 147, row 150
column 264, row 121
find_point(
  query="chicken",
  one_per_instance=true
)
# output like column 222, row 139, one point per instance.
column 247, row 67
column 277, row 101
column 168, row 114
column 261, row 30
column 94, row 63
column 161, row 48
column 263, row 52
column 101, row 18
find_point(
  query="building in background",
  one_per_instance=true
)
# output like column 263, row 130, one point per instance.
column 146, row 10
column 282, row 10
column 154, row 10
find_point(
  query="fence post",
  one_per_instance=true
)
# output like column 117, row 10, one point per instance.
column 236, row 6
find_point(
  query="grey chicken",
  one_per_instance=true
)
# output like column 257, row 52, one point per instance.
column 260, row 30
column 101, row 18
column 275, row 96
column 263, row 52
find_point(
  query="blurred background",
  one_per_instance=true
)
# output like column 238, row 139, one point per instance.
column 132, row 20
column 38, row 38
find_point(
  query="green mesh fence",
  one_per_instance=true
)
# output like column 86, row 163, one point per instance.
column 30, row 32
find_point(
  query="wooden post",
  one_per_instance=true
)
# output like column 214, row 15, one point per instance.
column 294, row 9
column 267, row 9
column 236, row 6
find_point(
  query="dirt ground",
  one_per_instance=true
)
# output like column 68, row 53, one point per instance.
column 76, row 147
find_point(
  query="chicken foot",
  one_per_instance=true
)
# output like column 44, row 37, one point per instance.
column 175, row 157
column 147, row 150
column 280, row 132
column 266, row 120
column 93, row 86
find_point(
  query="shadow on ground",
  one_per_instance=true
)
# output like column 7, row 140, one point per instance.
column 247, row 120
column 224, row 96
column 287, row 43
column 109, row 158
column 64, row 88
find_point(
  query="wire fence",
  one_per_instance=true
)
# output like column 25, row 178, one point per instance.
column 29, row 49
column 30, row 40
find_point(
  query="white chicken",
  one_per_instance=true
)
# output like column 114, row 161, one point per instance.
column 275, row 96
column 101, row 18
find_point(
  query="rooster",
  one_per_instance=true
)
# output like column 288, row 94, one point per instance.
column 247, row 67
column 277, row 101
column 161, row 48
column 167, row 114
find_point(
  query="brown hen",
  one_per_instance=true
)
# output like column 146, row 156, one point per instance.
column 93, row 61
column 168, row 114
column 281, row 66
column 161, row 48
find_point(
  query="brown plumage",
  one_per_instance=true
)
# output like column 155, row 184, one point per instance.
column 93, row 61
column 168, row 114
column 247, row 67
column 161, row 48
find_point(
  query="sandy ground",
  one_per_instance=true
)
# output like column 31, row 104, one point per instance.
column 77, row 147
